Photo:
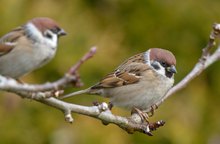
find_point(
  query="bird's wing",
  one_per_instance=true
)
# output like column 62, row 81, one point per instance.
column 8, row 41
column 129, row 72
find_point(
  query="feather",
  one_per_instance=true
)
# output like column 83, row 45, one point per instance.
column 8, row 41
column 127, row 73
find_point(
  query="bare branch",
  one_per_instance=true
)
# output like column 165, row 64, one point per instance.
column 42, row 93
column 131, row 124
column 71, row 77
column 206, row 60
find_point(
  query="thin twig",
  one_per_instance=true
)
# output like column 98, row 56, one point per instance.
column 132, row 124
column 71, row 77
column 206, row 60
column 87, row 56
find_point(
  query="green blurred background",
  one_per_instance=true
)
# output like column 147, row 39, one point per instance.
column 120, row 29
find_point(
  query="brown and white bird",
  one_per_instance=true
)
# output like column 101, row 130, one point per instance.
column 29, row 47
column 140, row 82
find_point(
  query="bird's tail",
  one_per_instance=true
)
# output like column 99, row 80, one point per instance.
column 75, row 93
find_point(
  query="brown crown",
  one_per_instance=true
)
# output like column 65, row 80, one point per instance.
column 43, row 23
column 162, row 55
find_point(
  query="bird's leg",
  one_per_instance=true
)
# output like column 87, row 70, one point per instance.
column 96, row 103
column 110, row 105
column 152, row 110
column 19, row 81
column 144, row 116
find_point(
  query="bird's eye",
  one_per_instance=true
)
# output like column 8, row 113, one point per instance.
column 164, row 64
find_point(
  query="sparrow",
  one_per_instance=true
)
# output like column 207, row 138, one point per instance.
column 138, row 83
column 29, row 47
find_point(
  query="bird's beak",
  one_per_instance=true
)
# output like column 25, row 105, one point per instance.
column 62, row 33
column 172, row 69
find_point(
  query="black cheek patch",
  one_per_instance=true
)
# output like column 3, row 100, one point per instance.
column 48, row 35
column 155, row 66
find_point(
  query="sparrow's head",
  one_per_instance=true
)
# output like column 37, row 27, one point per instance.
column 163, row 61
column 45, row 30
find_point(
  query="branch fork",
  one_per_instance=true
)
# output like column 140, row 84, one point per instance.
column 49, row 93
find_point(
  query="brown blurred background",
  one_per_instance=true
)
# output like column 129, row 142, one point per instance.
column 120, row 29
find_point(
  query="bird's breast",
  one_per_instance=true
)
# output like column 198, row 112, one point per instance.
column 142, row 95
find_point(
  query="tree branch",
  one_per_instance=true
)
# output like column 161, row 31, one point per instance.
column 71, row 77
column 205, row 61
column 43, row 93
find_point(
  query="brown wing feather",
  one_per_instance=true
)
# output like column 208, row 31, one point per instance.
column 116, row 80
column 5, row 49
column 8, row 41
column 127, row 73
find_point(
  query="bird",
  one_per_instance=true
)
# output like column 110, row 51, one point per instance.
column 139, row 82
column 29, row 47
